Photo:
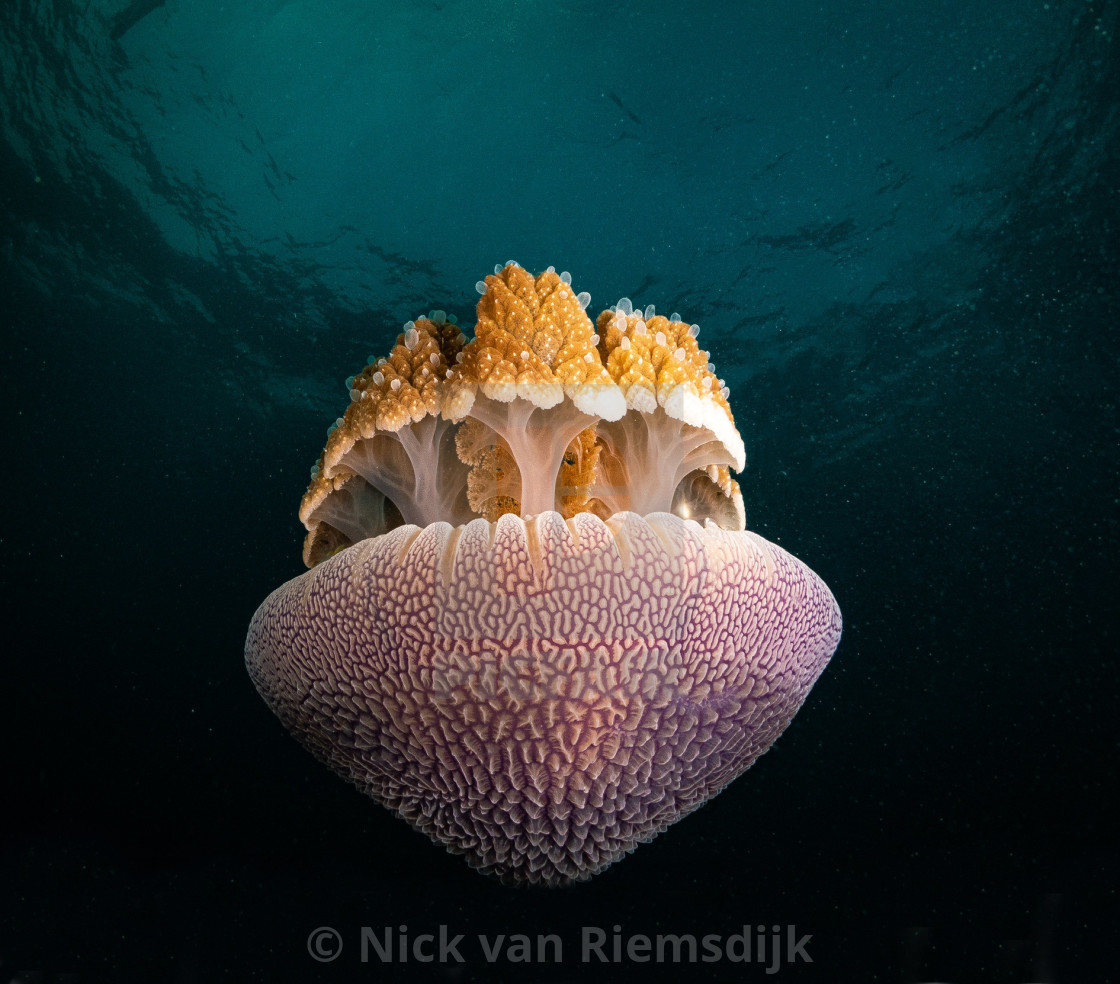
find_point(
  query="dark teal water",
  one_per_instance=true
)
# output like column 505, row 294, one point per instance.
column 898, row 228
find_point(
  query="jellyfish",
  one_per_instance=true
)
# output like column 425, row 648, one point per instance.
column 535, row 625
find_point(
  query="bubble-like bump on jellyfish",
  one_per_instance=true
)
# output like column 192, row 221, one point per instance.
column 535, row 625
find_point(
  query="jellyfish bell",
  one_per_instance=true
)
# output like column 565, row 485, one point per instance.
column 535, row 625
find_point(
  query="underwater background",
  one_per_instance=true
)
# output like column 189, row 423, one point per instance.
column 898, row 228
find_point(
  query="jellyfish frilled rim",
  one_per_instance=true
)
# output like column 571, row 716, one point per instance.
column 535, row 625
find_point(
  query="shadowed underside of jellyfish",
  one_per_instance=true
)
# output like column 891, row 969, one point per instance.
column 535, row 625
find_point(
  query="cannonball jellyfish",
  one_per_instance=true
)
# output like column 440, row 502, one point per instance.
column 535, row 625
